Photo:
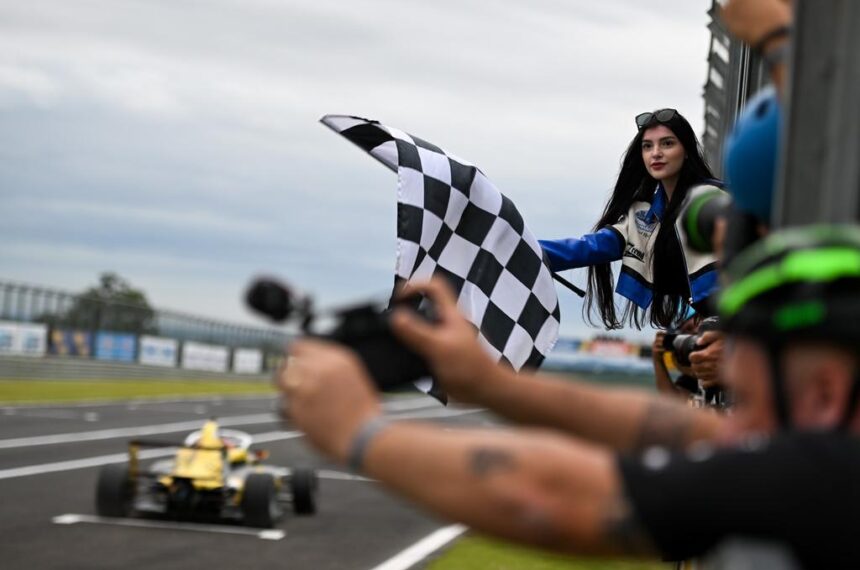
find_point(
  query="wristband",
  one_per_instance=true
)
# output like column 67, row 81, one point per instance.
column 362, row 438
column 778, row 32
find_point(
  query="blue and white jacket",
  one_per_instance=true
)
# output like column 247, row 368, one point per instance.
column 632, row 240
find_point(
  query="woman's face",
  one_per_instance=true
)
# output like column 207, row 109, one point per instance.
column 662, row 153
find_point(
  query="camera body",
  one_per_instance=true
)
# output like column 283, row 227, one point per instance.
column 683, row 345
column 365, row 328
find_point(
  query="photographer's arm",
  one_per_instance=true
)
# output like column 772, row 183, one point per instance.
column 525, row 485
column 532, row 487
column 623, row 419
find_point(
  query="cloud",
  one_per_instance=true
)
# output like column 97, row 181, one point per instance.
column 178, row 141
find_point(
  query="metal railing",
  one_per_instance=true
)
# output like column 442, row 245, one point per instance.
column 61, row 309
column 734, row 74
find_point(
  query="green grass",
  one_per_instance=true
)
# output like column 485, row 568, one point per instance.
column 32, row 391
column 479, row 553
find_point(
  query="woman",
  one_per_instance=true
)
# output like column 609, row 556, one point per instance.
column 638, row 226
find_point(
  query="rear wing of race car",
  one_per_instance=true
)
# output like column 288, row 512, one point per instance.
column 134, row 447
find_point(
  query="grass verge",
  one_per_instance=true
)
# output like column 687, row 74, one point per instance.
column 44, row 391
column 479, row 553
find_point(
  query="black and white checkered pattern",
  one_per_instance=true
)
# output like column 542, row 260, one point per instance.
column 452, row 221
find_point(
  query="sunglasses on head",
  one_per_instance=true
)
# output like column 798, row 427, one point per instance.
column 661, row 116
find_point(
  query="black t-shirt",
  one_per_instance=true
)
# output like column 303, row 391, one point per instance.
column 800, row 489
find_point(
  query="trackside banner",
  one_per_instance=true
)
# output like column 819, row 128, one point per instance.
column 115, row 346
column 158, row 351
column 247, row 361
column 208, row 357
column 23, row 338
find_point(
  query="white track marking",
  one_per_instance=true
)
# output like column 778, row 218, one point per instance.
column 29, row 470
column 263, row 534
column 133, row 431
column 48, row 414
column 422, row 549
column 411, row 404
column 34, row 404
column 89, row 462
column 340, row 476
column 251, row 419
column 440, row 413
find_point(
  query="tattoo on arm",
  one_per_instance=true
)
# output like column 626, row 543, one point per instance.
column 623, row 532
column 666, row 424
column 484, row 462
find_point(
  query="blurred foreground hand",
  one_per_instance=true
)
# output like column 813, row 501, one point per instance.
column 459, row 363
column 328, row 394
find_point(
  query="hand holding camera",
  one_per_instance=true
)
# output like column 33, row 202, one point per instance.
column 364, row 328
column 449, row 343
column 705, row 360
column 682, row 346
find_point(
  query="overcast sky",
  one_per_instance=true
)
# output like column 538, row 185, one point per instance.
column 176, row 142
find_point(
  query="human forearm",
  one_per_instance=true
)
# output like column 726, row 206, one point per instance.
column 528, row 486
column 623, row 419
column 603, row 246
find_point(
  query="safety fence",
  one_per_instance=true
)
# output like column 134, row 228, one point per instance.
column 734, row 74
column 37, row 321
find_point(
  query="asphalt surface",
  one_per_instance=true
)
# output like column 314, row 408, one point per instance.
column 50, row 457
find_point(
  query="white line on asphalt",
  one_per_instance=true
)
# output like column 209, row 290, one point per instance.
column 437, row 413
column 411, row 404
column 340, row 476
column 132, row 432
column 33, row 404
column 88, row 462
column 48, row 414
column 32, row 441
column 422, row 549
column 264, row 534
column 29, row 470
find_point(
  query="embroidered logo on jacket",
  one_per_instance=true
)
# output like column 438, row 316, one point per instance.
column 633, row 251
column 643, row 224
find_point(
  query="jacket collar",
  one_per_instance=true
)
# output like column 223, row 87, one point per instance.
column 658, row 204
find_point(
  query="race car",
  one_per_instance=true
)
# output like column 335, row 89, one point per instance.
column 213, row 475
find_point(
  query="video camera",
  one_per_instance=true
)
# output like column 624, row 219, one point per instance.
column 683, row 345
column 364, row 328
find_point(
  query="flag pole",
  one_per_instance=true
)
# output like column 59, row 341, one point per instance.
column 568, row 284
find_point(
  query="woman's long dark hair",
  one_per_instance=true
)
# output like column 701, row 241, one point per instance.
column 671, row 287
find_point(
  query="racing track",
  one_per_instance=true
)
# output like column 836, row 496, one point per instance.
column 50, row 456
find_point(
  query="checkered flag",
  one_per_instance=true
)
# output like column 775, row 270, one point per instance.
column 452, row 221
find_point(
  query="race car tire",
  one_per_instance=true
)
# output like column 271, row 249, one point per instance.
column 114, row 491
column 260, row 501
column 303, row 484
